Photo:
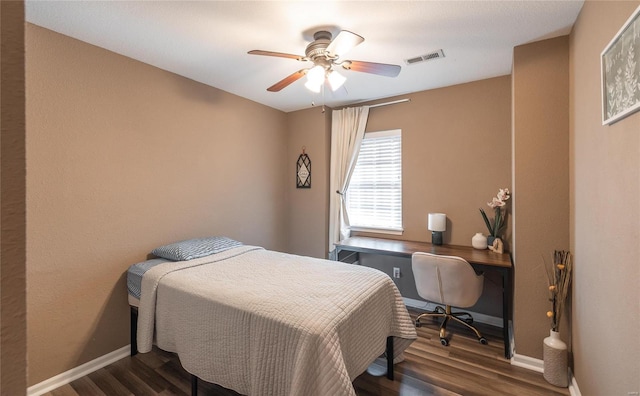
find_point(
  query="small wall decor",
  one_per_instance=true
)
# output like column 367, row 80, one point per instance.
column 620, row 70
column 303, row 171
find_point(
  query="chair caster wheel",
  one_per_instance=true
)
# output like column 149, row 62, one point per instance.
column 483, row 340
column 444, row 341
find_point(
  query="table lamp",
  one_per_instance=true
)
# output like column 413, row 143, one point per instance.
column 437, row 225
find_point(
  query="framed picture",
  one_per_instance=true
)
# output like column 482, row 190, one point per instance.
column 620, row 69
column 303, row 171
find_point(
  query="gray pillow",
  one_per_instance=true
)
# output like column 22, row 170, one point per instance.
column 194, row 248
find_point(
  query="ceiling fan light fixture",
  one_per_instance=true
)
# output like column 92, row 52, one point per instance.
column 313, row 87
column 335, row 79
column 315, row 75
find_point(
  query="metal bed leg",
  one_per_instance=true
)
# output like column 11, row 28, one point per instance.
column 194, row 385
column 390, row 358
column 134, row 331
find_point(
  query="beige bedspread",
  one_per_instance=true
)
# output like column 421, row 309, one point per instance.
column 268, row 323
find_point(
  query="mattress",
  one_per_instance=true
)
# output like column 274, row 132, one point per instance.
column 134, row 302
column 269, row 323
column 135, row 274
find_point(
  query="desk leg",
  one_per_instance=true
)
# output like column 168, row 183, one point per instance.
column 506, row 305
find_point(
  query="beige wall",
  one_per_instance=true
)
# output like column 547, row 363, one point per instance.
column 605, row 216
column 166, row 151
column 13, row 330
column 123, row 157
column 308, row 208
column 451, row 163
column 541, row 182
column 456, row 154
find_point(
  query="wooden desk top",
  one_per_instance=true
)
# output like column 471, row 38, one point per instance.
column 400, row 248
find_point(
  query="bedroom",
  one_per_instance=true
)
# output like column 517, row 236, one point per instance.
column 108, row 203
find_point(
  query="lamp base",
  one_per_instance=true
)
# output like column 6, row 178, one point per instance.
column 436, row 237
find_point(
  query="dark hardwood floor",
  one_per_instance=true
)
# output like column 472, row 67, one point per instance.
column 465, row 367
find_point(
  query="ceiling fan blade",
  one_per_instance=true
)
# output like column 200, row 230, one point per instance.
column 382, row 69
column 287, row 80
column 344, row 41
column 278, row 54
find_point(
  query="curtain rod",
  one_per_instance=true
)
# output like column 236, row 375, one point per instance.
column 389, row 103
column 380, row 104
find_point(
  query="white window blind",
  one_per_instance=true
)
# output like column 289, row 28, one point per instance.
column 374, row 195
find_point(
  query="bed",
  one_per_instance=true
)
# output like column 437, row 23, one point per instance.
column 262, row 322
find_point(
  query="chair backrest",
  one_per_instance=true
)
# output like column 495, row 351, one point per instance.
column 446, row 280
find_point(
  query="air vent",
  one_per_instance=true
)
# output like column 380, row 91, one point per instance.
column 423, row 58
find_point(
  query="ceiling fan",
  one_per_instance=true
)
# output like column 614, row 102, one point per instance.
column 326, row 54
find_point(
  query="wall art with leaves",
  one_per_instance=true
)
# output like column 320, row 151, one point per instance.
column 620, row 63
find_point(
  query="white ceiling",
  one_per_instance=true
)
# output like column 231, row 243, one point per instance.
column 207, row 41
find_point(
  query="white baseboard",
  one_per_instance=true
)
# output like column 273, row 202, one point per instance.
column 527, row 362
column 477, row 317
column 80, row 371
column 538, row 365
column 573, row 385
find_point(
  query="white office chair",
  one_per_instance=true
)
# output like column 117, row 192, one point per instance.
column 450, row 281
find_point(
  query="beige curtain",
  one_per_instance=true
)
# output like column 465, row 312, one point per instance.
column 347, row 131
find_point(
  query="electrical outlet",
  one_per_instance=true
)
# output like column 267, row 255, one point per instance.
column 396, row 272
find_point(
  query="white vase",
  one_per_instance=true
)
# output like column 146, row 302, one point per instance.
column 554, row 355
column 479, row 241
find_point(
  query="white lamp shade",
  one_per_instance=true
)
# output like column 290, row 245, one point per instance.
column 437, row 222
column 335, row 80
column 313, row 87
column 315, row 75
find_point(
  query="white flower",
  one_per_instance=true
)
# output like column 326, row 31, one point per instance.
column 503, row 194
column 496, row 203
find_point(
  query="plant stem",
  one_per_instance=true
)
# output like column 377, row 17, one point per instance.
column 486, row 221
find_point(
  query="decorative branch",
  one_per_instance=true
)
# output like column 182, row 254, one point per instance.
column 559, row 278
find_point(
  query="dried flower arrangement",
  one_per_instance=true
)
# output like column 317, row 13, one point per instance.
column 559, row 277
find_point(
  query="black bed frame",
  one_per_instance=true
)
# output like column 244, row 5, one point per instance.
column 194, row 379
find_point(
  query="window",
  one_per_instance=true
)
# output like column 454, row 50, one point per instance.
column 374, row 195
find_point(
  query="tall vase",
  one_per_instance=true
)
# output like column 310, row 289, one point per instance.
column 554, row 355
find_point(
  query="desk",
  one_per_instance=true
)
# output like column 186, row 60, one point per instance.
column 481, row 260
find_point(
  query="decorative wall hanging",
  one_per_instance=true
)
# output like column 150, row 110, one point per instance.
column 620, row 70
column 303, row 171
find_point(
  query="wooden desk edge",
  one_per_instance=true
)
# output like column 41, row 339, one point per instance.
column 397, row 247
